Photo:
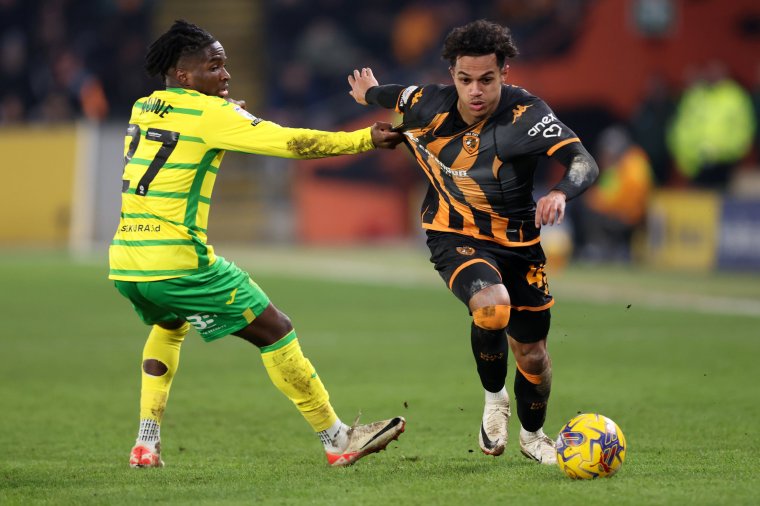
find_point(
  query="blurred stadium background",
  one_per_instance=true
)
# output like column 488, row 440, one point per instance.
column 651, row 327
column 665, row 93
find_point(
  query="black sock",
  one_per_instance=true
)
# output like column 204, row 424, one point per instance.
column 531, row 401
column 490, row 350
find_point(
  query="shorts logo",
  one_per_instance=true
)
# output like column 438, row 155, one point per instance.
column 232, row 297
column 471, row 141
column 199, row 321
column 537, row 277
column 466, row 250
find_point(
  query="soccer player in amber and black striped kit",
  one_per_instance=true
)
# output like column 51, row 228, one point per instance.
column 159, row 257
column 478, row 143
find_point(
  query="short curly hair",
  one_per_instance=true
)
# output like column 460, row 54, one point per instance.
column 479, row 38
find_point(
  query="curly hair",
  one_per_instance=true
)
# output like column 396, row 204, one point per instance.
column 183, row 38
column 479, row 38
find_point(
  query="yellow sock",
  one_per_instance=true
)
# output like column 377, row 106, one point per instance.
column 293, row 375
column 162, row 345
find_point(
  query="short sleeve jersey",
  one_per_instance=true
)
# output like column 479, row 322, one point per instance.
column 174, row 145
column 481, row 175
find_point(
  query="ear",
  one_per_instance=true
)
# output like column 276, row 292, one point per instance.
column 181, row 75
column 451, row 71
column 504, row 73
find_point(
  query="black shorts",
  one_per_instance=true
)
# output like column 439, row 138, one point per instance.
column 468, row 265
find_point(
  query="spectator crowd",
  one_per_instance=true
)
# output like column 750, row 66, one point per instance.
column 66, row 59
column 62, row 60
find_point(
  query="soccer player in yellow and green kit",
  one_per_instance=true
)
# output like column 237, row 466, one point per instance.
column 159, row 257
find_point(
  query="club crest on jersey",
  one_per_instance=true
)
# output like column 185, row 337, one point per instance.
column 471, row 141
column 467, row 251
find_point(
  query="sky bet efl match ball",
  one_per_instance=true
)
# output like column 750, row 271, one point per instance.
column 590, row 446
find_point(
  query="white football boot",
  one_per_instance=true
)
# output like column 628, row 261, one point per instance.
column 366, row 439
column 494, row 428
column 538, row 446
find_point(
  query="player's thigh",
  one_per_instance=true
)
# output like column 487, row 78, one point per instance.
column 148, row 311
column 523, row 271
column 529, row 327
column 465, row 264
column 218, row 301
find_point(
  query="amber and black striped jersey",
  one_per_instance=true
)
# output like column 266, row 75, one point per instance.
column 481, row 175
column 174, row 145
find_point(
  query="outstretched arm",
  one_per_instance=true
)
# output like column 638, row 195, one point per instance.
column 360, row 81
column 366, row 90
column 581, row 173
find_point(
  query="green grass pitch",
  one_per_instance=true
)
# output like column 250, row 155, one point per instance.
column 673, row 359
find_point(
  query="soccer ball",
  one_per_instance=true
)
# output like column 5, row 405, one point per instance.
column 590, row 446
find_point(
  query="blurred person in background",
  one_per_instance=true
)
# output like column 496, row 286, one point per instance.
column 160, row 259
column 649, row 127
column 713, row 128
column 61, row 60
column 15, row 95
column 478, row 141
column 606, row 217
column 756, row 108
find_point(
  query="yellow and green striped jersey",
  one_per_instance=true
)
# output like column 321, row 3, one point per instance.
column 175, row 141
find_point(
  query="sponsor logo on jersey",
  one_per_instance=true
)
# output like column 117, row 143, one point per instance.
column 141, row 227
column 547, row 126
column 432, row 160
column 467, row 251
column 518, row 111
column 471, row 141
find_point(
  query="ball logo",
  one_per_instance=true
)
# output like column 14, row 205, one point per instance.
column 607, row 458
column 573, row 439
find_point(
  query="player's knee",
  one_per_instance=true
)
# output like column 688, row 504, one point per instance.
column 491, row 317
column 154, row 367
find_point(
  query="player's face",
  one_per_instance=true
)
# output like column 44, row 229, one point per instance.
column 205, row 72
column 478, row 81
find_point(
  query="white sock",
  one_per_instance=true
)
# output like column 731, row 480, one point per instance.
column 334, row 438
column 525, row 434
column 149, row 433
column 501, row 395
